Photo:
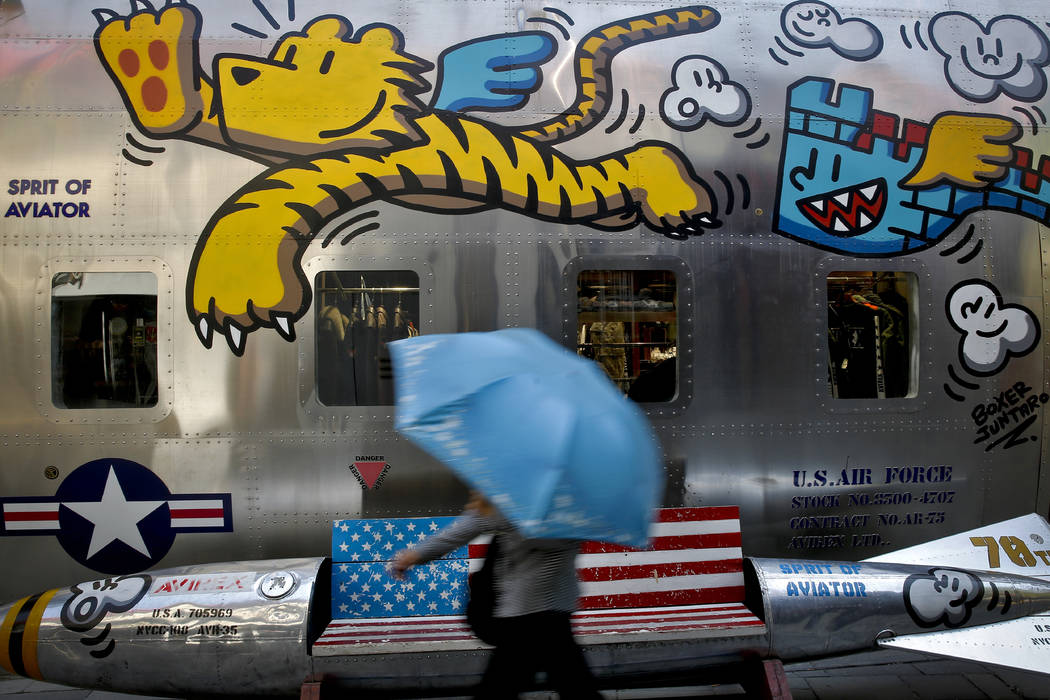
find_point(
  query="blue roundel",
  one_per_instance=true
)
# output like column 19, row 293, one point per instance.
column 114, row 516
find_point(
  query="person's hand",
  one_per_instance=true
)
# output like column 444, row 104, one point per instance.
column 402, row 562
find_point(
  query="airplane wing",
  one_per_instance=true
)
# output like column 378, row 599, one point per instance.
column 1018, row 546
column 1021, row 644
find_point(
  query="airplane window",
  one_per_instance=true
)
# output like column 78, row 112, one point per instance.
column 871, row 328
column 104, row 339
column 627, row 322
column 358, row 312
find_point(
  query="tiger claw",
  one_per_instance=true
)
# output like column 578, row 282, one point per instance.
column 203, row 329
column 142, row 6
column 284, row 326
column 235, row 338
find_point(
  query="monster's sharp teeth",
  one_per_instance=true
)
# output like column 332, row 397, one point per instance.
column 869, row 192
column 863, row 220
column 818, row 205
column 842, row 199
column 840, row 225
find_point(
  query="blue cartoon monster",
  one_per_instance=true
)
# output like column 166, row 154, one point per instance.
column 854, row 180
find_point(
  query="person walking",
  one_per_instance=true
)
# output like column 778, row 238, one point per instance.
column 536, row 592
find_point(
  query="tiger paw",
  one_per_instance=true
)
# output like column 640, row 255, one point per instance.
column 669, row 196
column 240, row 282
column 151, row 57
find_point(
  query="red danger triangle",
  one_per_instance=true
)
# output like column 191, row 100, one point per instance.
column 369, row 472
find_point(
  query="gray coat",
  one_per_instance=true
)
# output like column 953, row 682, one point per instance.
column 530, row 575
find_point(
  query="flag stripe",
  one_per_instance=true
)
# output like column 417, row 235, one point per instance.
column 676, row 543
column 683, row 597
column 667, row 570
column 446, row 628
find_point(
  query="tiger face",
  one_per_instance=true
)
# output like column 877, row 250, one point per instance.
column 321, row 89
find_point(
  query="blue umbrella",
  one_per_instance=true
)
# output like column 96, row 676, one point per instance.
column 540, row 431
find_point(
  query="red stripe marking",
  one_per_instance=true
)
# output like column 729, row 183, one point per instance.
column 675, row 515
column 422, row 620
column 721, row 617
column 717, row 540
column 438, row 638
column 24, row 516
column 638, row 571
column 450, row 635
column 727, row 594
column 658, row 544
column 197, row 513
column 394, row 630
column 666, row 611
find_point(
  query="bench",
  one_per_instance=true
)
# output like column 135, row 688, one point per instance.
column 688, row 585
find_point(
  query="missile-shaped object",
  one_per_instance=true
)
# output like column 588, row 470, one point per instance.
column 249, row 628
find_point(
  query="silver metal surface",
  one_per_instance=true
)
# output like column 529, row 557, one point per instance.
column 240, row 628
column 820, row 608
column 754, row 421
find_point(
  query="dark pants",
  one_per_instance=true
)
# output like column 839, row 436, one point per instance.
column 538, row 642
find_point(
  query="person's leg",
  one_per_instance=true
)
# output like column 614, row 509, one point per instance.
column 563, row 659
column 513, row 662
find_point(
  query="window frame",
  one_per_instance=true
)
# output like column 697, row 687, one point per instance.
column 685, row 293
column 165, row 340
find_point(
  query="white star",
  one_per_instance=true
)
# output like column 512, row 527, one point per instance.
column 344, row 607
column 410, row 527
column 343, row 568
column 355, row 537
column 389, row 527
column 367, row 527
column 115, row 517
column 344, row 547
column 343, row 526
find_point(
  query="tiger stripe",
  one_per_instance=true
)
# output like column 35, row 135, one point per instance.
column 595, row 53
column 19, row 634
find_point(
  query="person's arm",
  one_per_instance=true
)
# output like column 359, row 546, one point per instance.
column 461, row 531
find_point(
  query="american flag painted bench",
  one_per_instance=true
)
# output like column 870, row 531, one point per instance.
column 688, row 584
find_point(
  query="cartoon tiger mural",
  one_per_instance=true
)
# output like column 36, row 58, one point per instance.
column 372, row 138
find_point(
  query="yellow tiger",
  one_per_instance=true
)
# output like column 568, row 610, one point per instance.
column 337, row 117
